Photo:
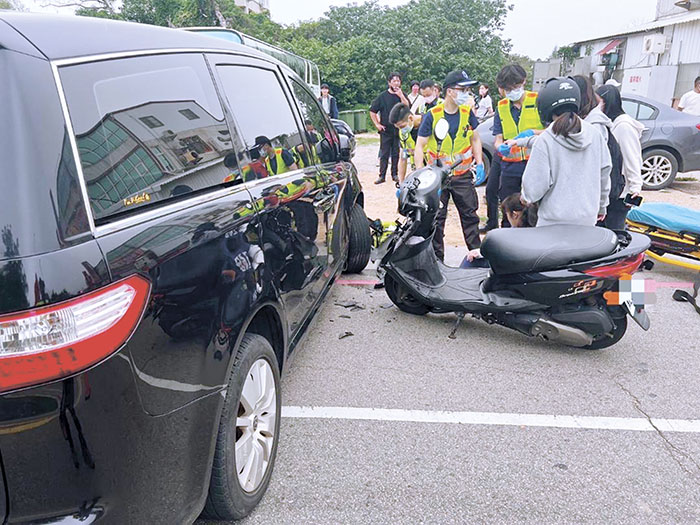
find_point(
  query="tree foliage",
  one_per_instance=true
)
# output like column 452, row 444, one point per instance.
column 356, row 46
column 12, row 5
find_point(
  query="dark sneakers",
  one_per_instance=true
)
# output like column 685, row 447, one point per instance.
column 380, row 181
column 487, row 228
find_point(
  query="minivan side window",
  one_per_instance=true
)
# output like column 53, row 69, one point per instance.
column 265, row 120
column 319, row 134
column 148, row 129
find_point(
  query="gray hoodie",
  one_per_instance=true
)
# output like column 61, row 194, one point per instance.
column 569, row 177
column 600, row 121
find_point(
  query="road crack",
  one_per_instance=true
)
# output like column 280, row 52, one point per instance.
column 673, row 450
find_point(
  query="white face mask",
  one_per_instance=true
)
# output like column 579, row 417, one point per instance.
column 406, row 129
column 462, row 98
column 515, row 94
column 429, row 99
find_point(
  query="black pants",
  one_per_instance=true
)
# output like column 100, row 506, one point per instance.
column 388, row 147
column 615, row 215
column 464, row 196
column 492, row 185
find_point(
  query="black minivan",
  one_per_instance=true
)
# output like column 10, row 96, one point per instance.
column 173, row 209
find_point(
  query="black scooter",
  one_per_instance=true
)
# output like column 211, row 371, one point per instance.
column 551, row 281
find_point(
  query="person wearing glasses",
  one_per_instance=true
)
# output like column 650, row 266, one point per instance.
column 461, row 142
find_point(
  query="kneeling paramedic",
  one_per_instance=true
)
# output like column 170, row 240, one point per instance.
column 461, row 142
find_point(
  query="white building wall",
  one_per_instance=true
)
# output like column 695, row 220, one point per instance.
column 685, row 43
column 254, row 6
column 666, row 8
column 634, row 52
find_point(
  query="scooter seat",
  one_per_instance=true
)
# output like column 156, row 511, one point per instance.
column 522, row 250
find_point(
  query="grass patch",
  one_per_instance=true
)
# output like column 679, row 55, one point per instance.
column 686, row 179
column 367, row 141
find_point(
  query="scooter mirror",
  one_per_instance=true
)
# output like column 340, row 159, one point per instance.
column 441, row 129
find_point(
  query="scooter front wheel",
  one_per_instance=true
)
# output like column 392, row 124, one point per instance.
column 402, row 297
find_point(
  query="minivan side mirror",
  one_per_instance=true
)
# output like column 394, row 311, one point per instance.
column 345, row 151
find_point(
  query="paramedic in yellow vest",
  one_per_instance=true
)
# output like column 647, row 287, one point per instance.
column 407, row 123
column 277, row 160
column 516, row 116
column 462, row 141
column 428, row 98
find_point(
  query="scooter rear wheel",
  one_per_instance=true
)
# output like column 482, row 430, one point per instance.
column 402, row 298
column 604, row 341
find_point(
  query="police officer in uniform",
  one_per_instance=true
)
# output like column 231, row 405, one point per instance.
column 461, row 142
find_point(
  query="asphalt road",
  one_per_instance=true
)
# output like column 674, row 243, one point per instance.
column 349, row 470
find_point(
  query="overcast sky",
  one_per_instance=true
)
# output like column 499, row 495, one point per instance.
column 533, row 26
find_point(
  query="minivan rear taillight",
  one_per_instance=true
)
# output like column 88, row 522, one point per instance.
column 56, row 341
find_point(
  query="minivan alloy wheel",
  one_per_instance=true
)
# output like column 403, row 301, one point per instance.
column 255, row 425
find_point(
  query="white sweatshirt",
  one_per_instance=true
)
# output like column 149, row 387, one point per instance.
column 628, row 133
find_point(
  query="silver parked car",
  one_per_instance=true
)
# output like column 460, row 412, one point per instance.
column 670, row 141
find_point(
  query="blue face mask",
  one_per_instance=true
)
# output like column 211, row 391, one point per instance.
column 515, row 94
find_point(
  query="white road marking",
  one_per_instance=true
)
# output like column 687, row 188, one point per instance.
column 494, row 418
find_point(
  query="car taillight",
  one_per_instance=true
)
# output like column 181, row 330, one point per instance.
column 624, row 267
column 52, row 342
column 697, row 126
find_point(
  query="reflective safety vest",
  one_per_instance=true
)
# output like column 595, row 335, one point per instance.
column 281, row 166
column 529, row 119
column 308, row 158
column 449, row 150
column 408, row 145
column 422, row 109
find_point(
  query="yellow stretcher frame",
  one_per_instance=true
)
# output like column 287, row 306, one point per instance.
column 665, row 242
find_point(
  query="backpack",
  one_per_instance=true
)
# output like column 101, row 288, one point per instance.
column 617, row 179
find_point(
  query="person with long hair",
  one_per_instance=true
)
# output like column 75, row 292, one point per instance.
column 519, row 215
column 628, row 133
column 568, row 174
column 591, row 109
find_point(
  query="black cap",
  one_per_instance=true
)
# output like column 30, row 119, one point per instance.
column 324, row 86
column 458, row 78
column 262, row 140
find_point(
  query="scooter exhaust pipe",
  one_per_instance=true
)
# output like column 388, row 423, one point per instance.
column 553, row 331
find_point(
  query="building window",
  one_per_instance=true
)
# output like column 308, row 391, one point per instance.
column 189, row 114
column 151, row 122
column 162, row 158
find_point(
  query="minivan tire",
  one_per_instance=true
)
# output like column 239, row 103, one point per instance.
column 360, row 240
column 227, row 499
column 659, row 169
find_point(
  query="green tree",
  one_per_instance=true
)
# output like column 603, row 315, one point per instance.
column 355, row 46
column 12, row 5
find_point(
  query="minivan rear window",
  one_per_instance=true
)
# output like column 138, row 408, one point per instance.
column 148, row 129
